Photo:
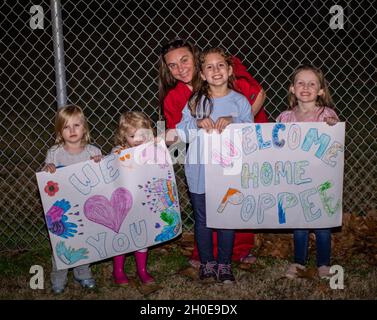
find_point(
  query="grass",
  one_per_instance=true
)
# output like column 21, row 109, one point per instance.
column 263, row 280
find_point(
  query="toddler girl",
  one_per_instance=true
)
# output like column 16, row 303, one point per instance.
column 134, row 129
column 71, row 146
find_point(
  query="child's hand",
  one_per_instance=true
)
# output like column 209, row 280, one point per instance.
column 49, row 167
column 157, row 140
column 331, row 121
column 206, row 123
column 96, row 158
column 222, row 123
column 171, row 136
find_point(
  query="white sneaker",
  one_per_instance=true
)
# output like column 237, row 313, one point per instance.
column 292, row 270
column 324, row 272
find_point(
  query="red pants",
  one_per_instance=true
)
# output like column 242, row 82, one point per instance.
column 243, row 243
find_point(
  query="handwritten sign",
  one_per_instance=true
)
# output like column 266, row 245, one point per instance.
column 125, row 202
column 275, row 175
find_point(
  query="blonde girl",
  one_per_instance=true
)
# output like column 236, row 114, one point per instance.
column 309, row 101
column 134, row 128
column 71, row 146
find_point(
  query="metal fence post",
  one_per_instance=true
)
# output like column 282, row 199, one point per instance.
column 57, row 31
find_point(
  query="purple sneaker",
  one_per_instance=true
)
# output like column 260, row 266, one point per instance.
column 207, row 271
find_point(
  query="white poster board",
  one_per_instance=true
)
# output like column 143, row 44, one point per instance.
column 275, row 175
column 125, row 202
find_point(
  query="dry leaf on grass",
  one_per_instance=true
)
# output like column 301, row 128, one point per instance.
column 308, row 273
column 163, row 251
column 187, row 244
column 188, row 236
column 190, row 272
column 132, row 282
column 357, row 237
column 186, row 253
column 275, row 245
column 244, row 266
column 147, row 289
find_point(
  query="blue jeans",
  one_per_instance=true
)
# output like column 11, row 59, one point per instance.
column 203, row 235
column 323, row 245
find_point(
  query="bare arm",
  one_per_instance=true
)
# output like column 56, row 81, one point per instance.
column 258, row 103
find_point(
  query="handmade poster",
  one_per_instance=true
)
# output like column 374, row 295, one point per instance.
column 275, row 175
column 126, row 202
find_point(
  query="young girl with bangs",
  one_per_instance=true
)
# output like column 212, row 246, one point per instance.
column 310, row 101
column 71, row 147
column 213, row 105
column 134, row 129
column 179, row 70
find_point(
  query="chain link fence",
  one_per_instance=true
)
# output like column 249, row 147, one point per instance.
column 111, row 56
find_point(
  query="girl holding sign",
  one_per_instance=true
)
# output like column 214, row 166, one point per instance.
column 134, row 129
column 178, row 71
column 309, row 101
column 213, row 105
column 71, row 146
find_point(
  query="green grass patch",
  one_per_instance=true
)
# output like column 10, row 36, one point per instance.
column 18, row 263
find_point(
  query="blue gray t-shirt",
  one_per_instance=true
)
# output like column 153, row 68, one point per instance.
column 233, row 104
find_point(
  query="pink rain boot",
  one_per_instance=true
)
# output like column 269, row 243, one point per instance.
column 141, row 265
column 118, row 270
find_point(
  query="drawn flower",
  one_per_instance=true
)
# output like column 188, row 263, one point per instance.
column 51, row 188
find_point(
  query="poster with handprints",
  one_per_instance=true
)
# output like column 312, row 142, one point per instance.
column 126, row 202
column 275, row 176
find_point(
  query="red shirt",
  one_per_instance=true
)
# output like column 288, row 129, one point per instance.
column 177, row 97
column 174, row 103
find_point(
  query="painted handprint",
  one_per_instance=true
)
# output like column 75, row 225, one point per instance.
column 69, row 255
column 57, row 220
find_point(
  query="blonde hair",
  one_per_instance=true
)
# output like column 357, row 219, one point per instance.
column 131, row 119
column 323, row 100
column 62, row 116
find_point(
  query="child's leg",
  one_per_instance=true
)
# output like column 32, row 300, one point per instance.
column 301, row 243
column 203, row 235
column 141, row 258
column 58, row 278
column 83, row 275
column 82, row 272
column 118, row 270
column 323, row 244
column 225, row 241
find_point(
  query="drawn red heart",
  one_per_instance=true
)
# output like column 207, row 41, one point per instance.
column 110, row 214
